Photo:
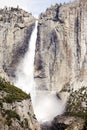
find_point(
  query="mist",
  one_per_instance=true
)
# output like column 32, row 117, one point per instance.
column 46, row 105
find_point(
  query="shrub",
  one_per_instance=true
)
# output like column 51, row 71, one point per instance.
column 26, row 122
column 12, row 114
column 1, row 104
column 14, row 93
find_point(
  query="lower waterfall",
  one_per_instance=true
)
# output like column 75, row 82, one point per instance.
column 46, row 105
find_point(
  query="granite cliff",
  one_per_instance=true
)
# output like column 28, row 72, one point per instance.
column 61, row 47
column 60, row 61
column 16, row 111
column 16, row 26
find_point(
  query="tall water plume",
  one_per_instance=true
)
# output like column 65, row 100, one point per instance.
column 46, row 104
column 25, row 70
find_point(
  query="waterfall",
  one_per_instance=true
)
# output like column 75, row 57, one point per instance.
column 46, row 105
column 25, row 69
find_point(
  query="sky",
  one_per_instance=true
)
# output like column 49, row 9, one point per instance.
column 33, row 6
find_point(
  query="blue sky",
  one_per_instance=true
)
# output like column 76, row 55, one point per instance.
column 33, row 6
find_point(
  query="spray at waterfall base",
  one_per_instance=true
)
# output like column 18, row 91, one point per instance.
column 47, row 106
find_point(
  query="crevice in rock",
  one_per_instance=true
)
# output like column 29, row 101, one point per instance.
column 78, row 48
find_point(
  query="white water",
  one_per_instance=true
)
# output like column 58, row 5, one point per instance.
column 25, row 70
column 46, row 105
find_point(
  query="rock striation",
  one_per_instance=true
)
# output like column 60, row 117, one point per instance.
column 61, row 61
column 61, row 47
column 16, row 26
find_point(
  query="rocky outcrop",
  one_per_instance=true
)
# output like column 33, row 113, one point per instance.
column 16, row 112
column 75, row 116
column 16, row 26
column 64, row 123
column 61, row 47
column 77, row 99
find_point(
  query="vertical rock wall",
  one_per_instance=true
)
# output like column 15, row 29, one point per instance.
column 61, row 50
column 16, row 26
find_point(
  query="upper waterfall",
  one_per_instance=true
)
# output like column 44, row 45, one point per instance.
column 25, row 70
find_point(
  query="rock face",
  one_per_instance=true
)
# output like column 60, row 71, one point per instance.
column 61, row 50
column 16, row 112
column 61, row 61
column 64, row 123
column 16, row 26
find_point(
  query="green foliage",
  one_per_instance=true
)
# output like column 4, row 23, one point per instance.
column 74, row 105
column 2, row 83
column 14, row 93
column 12, row 114
column 26, row 122
column 16, row 96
